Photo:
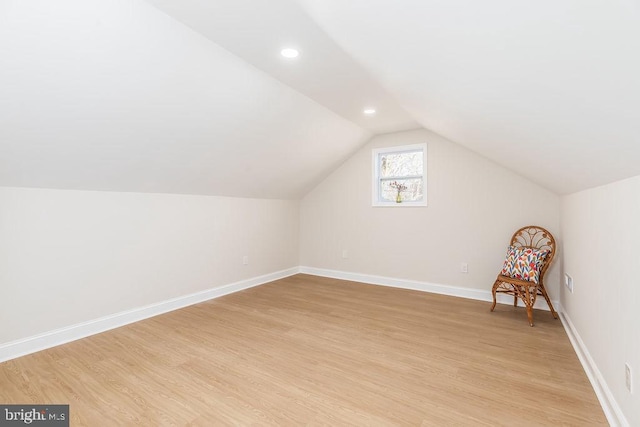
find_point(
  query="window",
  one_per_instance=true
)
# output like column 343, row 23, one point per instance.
column 399, row 176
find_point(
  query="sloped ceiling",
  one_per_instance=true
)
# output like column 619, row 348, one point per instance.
column 190, row 96
column 116, row 95
column 255, row 30
column 548, row 88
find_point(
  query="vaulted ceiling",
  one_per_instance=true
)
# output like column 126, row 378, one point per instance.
column 192, row 96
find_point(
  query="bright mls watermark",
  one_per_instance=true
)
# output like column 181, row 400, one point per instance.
column 38, row 415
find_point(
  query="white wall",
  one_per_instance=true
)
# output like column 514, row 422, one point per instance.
column 601, row 231
column 474, row 206
column 70, row 256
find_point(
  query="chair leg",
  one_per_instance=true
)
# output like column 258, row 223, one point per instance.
column 530, row 314
column 546, row 297
column 493, row 291
column 515, row 301
column 529, row 304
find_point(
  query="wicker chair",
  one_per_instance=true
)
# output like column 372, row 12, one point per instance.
column 531, row 237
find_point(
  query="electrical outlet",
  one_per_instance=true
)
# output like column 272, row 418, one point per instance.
column 464, row 267
column 345, row 254
column 627, row 376
column 245, row 260
column 568, row 282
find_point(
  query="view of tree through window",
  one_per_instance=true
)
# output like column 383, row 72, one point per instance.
column 405, row 168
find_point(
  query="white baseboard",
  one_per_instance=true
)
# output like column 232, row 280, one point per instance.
column 35, row 343
column 22, row 347
column 477, row 294
column 611, row 409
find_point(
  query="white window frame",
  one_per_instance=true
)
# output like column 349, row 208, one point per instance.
column 376, row 200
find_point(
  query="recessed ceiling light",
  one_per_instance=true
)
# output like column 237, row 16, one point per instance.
column 369, row 111
column 289, row 52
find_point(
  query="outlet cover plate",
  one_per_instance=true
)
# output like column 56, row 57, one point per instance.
column 568, row 282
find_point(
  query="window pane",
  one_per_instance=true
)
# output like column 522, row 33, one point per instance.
column 401, row 164
column 413, row 193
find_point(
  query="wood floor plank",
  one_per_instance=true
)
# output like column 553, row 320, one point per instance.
column 307, row 350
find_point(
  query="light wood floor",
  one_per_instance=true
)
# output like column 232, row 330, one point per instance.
column 313, row 351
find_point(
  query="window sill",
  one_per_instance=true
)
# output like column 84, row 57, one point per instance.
column 399, row 205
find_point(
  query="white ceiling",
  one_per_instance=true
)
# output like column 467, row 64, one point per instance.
column 549, row 88
column 116, row 95
column 256, row 30
column 192, row 96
